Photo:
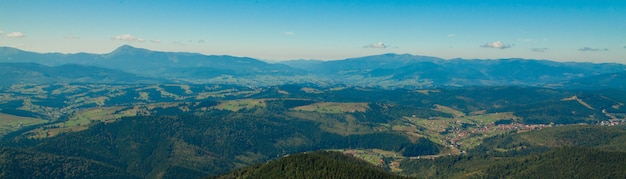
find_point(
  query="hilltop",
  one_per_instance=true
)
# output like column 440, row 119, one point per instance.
column 319, row 164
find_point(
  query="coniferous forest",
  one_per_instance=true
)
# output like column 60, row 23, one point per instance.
column 312, row 89
column 196, row 131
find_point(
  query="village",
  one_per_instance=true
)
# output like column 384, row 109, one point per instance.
column 458, row 135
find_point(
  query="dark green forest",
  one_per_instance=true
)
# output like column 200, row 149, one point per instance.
column 213, row 143
column 564, row 152
column 196, row 131
column 138, row 113
column 319, row 164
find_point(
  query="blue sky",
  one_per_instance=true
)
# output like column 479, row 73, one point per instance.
column 561, row 30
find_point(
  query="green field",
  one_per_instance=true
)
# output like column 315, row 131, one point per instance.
column 334, row 108
column 467, row 130
column 236, row 105
column 10, row 123
column 81, row 121
column 374, row 156
column 311, row 90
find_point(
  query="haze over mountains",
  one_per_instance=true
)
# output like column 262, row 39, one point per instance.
column 387, row 70
column 391, row 89
column 137, row 113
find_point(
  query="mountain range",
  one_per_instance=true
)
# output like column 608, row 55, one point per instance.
column 386, row 70
column 34, row 73
column 137, row 113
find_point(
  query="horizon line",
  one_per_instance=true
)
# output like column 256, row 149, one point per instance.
column 323, row 60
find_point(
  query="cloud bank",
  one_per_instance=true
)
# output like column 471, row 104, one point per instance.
column 15, row 35
column 128, row 38
column 497, row 45
column 589, row 49
column 379, row 45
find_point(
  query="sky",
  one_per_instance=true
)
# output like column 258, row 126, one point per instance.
column 560, row 30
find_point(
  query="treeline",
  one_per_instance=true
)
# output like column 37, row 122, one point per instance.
column 562, row 152
column 521, row 144
column 560, row 162
column 18, row 163
column 533, row 105
column 567, row 162
column 209, row 143
column 319, row 164
column 557, row 112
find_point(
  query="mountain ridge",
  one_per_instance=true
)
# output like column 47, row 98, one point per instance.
column 4, row 50
column 388, row 70
column 34, row 73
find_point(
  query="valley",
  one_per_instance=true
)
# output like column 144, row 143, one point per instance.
column 276, row 89
column 392, row 126
column 388, row 115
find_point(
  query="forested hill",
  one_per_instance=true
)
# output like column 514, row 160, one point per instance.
column 33, row 73
column 610, row 80
column 320, row 164
column 192, row 146
column 562, row 152
column 194, row 131
column 19, row 163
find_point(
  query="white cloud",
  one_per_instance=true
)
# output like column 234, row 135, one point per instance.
column 128, row 37
column 15, row 35
column 1, row 32
column 289, row 33
column 156, row 41
column 539, row 49
column 379, row 45
column 497, row 44
column 451, row 35
column 200, row 41
column 589, row 49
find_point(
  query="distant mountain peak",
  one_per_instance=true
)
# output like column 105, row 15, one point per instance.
column 394, row 57
column 126, row 46
column 398, row 55
column 128, row 50
column 9, row 50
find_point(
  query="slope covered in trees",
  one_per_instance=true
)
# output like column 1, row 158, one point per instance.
column 18, row 163
column 319, row 164
column 191, row 131
column 562, row 152
column 208, row 144
column 600, row 153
